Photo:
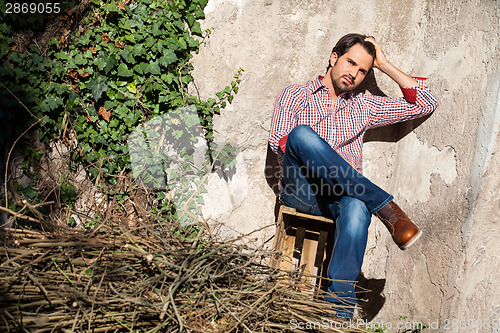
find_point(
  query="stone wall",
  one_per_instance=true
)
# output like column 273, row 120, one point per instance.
column 444, row 170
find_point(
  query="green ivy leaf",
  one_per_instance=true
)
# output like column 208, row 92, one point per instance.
column 211, row 102
column 53, row 101
column 124, row 71
column 169, row 77
column 168, row 57
column 105, row 61
column 136, row 22
column 196, row 29
column 139, row 50
column 97, row 86
column 132, row 88
column 182, row 43
column 124, row 24
column 37, row 59
column 127, row 54
column 79, row 60
column 138, row 68
column 151, row 68
column 15, row 57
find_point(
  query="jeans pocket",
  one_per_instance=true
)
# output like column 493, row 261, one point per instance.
column 291, row 200
column 338, row 209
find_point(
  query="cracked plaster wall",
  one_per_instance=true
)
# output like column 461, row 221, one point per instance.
column 443, row 171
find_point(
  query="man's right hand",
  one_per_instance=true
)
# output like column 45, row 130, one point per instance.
column 381, row 63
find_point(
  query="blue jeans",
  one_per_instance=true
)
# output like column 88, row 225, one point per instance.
column 317, row 180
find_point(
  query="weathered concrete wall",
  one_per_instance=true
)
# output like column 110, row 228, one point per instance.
column 443, row 171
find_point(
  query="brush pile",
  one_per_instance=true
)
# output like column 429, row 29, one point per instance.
column 153, row 278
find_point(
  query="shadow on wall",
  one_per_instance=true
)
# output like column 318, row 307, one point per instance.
column 390, row 133
column 272, row 174
column 370, row 290
column 369, row 294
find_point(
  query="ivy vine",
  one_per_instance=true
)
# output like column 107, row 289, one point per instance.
column 118, row 64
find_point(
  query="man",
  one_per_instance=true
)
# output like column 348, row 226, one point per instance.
column 317, row 132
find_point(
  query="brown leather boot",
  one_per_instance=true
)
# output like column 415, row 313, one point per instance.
column 403, row 231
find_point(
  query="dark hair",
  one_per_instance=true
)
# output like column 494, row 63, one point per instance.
column 349, row 40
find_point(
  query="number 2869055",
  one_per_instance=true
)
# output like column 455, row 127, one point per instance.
column 32, row 8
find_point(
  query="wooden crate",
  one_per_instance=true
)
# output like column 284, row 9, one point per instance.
column 306, row 242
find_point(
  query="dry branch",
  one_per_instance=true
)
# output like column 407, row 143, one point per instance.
column 137, row 280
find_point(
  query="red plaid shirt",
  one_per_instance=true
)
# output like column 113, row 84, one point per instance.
column 344, row 124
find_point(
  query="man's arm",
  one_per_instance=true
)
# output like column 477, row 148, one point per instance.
column 418, row 99
column 284, row 117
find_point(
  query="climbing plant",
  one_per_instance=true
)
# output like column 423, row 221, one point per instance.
column 112, row 66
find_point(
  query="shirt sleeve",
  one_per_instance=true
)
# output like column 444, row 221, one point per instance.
column 286, row 109
column 417, row 102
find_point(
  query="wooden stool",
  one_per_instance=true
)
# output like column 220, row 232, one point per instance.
column 306, row 242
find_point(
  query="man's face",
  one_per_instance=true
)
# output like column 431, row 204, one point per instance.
column 349, row 70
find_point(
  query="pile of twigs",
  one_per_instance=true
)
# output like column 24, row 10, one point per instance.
column 155, row 278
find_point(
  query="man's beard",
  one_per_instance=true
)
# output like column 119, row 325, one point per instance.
column 340, row 86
